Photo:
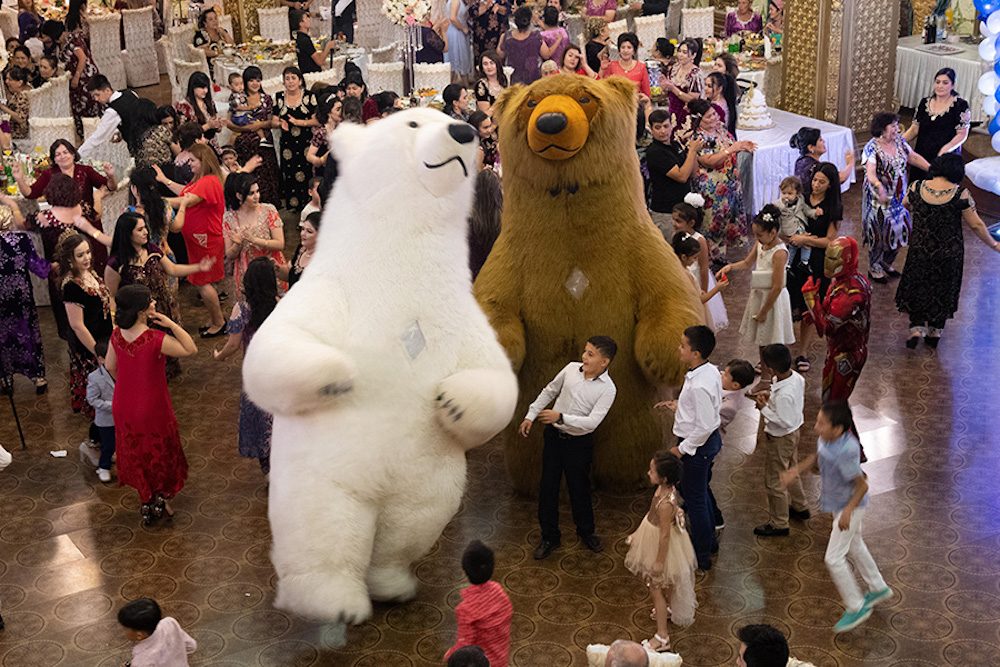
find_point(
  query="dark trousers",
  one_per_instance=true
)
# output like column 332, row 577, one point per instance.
column 106, row 435
column 345, row 22
column 699, row 503
column 571, row 455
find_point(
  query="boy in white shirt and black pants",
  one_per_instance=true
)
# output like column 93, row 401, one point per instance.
column 781, row 406
column 583, row 393
column 696, row 425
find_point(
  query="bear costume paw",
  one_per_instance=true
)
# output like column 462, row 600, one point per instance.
column 324, row 596
column 301, row 383
column 475, row 404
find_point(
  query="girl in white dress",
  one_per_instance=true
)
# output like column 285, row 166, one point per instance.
column 660, row 552
column 686, row 248
column 768, row 316
column 687, row 217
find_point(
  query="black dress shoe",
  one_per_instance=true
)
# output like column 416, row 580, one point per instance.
column 932, row 341
column 207, row 333
column 877, row 279
column 593, row 543
column 911, row 342
column 892, row 273
column 544, row 549
column 798, row 515
column 767, row 530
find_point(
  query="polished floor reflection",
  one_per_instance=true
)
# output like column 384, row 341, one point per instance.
column 72, row 550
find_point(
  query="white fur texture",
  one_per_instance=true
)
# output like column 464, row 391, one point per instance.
column 369, row 442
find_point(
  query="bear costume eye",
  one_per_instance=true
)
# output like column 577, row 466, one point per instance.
column 532, row 104
column 584, row 100
column 414, row 124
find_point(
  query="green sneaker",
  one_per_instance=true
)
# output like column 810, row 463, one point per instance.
column 852, row 619
column 875, row 597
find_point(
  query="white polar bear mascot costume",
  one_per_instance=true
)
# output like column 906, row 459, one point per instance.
column 380, row 370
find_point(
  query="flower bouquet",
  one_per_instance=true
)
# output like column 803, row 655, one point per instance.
column 407, row 13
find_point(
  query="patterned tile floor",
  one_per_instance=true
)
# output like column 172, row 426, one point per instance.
column 72, row 550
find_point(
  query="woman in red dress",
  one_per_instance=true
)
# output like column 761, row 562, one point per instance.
column 150, row 458
column 202, row 229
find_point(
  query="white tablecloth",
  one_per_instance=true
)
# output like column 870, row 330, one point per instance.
column 774, row 159
column 916, row 66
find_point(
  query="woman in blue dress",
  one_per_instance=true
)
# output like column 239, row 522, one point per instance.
column 459, row 53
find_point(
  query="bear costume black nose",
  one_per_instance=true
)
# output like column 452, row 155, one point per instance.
column 552, row 122
column 463, row 133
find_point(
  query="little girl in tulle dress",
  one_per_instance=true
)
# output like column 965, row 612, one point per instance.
column 687, row 217
column 660, row 552
column 686, row 248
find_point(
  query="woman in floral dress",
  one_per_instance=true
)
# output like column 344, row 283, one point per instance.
column 251, row 229
column 199, row 107
column 74, row 54
column 490, row 19
column 885, row 220
column 718, row 181
column 20, row 337
column 295, row 111
column 248, row 143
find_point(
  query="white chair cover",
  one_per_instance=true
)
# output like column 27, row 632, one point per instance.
column 338, row 68
column 616, row 28
column 274, row 23
column 273, row 68
column 436, row 75
column 44, row 131
column 115, row 152
column 184, row 70
column 697, row 22
column 385, row 76
column 327, row 77
column 649, row 29
column 142, row 67
column 674, row 19
column 113, row 205
column 171, row 66
column 8, row 23
column 106, row 47
column 772, row 82
column 272, row 86
column 226, row 21
column 51, row 100
column 386, row 54
column 181, row 38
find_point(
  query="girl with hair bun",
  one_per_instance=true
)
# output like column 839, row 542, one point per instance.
column 688, row 216
column 147, row 442
column 768, row 316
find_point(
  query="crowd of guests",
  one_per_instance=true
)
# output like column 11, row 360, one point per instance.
column 209, row 213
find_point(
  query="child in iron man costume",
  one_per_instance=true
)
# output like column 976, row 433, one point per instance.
column 843, row 316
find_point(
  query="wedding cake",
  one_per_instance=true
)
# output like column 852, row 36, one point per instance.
column 753, row 112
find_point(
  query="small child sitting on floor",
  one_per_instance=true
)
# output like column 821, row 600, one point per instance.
column 485, row 612
column 160, row 641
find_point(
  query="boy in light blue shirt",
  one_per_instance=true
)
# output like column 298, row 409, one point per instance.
column 844, row 493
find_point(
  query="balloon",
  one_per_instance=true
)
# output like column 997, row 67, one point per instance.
column 988, row 48
column 996, row 95
column 990, row 106
column 993, row 22
column 987, row 7
column 994, row 126
column 988, row 83
column 996, row 142
column 996, row 67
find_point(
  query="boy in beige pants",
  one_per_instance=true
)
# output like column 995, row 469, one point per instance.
column 781, row 407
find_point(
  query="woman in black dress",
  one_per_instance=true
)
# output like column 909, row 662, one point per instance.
column 941, row 122
column 308, row 235
column 932, row 277
column 295, row 111
column 489, row 20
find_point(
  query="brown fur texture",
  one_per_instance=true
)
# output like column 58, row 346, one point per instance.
column 585, row 212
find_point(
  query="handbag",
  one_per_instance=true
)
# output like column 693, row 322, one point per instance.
column 761, row 279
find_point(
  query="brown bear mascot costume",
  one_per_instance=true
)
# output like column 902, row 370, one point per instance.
column 578, row 256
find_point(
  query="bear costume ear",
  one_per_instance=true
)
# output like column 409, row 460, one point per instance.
column 347, row 140
column 622, row 88
column 508, row 98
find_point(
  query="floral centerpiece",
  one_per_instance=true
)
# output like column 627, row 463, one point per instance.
column 407, row 13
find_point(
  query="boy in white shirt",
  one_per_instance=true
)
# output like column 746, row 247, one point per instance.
column 781, row 408
column 696, row 425
column 583, row 393
column 314, row 205
column 736, row 377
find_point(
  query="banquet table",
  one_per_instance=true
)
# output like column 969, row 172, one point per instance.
column 917, row 62
column 774, row 159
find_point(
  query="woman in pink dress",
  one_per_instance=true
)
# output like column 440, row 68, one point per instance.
column 251, row 229
column 147, row 442
column 627, row 65
column 603, row 9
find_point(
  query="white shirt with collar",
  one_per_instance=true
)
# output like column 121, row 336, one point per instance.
column 582, row 403
column 783, row 411
column 697, row 415
column 105, row 129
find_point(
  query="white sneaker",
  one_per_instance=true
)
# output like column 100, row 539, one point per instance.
column 104, row 475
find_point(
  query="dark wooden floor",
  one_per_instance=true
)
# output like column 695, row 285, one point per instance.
column 72, row 550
